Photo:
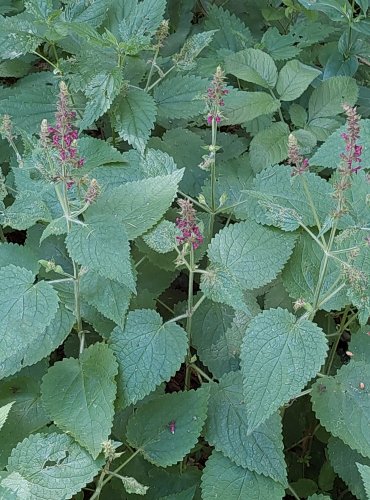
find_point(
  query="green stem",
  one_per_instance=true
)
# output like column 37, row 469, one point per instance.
column 195, row 202
column 279, row 110
column 152, row 68
column 189, row 318
column 160, row 79
column 334, row 347
column 102, row 482
column 294, row 494
column 201, row 372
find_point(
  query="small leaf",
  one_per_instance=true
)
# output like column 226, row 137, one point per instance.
column 364, row 471
column 148, row 352
column 334, row 400
column 228, row 430
column 221, row 478
column 294, row 78
column 79, row 394
column 280, row 354
column 48, row 474
column 134, row 116
column 162, row 238
column 4, row 412
column 102, row 246
column 167, row 428
column 253, row 65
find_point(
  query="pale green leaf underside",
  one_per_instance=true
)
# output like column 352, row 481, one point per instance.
column 227, row 429
column 244, row 256
column 279, row 355
column 110, row 298
column 222, row 478
column 4, row 412
column 343, row 460
column 138, row 205
column 26, row 309
column 149, row 429
column 253, row 65
column 79, row 394
column 102, row 246
column 43, row 463
column 134, row 116
column 148, row 352
column 343, row 408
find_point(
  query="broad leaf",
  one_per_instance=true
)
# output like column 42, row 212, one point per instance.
column 228, row 430
column 167, row 428
column 18, row 255
column 244, row 256
column 241, row 106
column 294, row 78
column 148, row 352
column 270, row 146
column 334, row 400
column 79, row 394
column 253, row 65
column 334, row 9
column 344, row 460
column 26, row 309
column 26, row 210
column 279, row 356
column 48, row 474
column 102, row 246
column 221, row 478
column 328, row 98
column 137, row 205
column 134, row 116
column 162, row 238
column 108, row 296
column 231, row 34
column 180, row 97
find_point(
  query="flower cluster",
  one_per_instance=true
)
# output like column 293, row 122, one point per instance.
column 352, row 155
column 215, row 97
column 299, row 163
column 190, row 232
column 63, row 135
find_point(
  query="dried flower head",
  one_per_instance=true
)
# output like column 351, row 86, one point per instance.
column 6, row 128
column 162, row 32
column 352, row 155
column 92, row 192
column 299, row 163
column 215, row 97
column 190, row 232
column 63, row 135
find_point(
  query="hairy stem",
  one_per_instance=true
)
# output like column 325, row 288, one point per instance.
column 189, row 317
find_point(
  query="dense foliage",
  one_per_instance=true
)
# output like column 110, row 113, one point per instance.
column 185, row 249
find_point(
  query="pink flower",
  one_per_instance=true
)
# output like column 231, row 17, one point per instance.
column 214, row 97
column 352, row 155
column 190, row 232
column 299, row 163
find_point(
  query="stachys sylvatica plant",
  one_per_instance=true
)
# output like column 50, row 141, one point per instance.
column 185, row 249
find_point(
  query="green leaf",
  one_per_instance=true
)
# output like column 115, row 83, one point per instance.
column 246, row 256
column 102, row 90
column 280, row 47
column 279, row 356
column 79, row 394
column 231, row 34
column 242, row 106
column 162, row 238
column 27, row 414
column 328, row 98
column 97, row 153
column 137, row 22
column 217, row 333
column 294, row 78
column 253, row 65
column 151, row 428
column 270, row 146
column 301, row 275
column 334, row 400
column 27, row 209
column 4, row 412
column 193, row 46
column 278, row 199
column 328, row 154
column 148, row 352
column 364, row 471
column 102, row 246
column 360, row 344
column 180, row 96
column 221, row 478
column 344, row 460
column 334, row 9
column 228, row 430
column 19, row 255
column 133, row 117
column 318, row 497
column 26, row 309
column 108, row 296
column 139, row 205
column 48, row 474
column 30, row 100
column 27, row 37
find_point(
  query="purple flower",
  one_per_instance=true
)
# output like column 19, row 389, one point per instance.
column 299, row 163
column 352, row 155
column 190, row 232
column 214, row 97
